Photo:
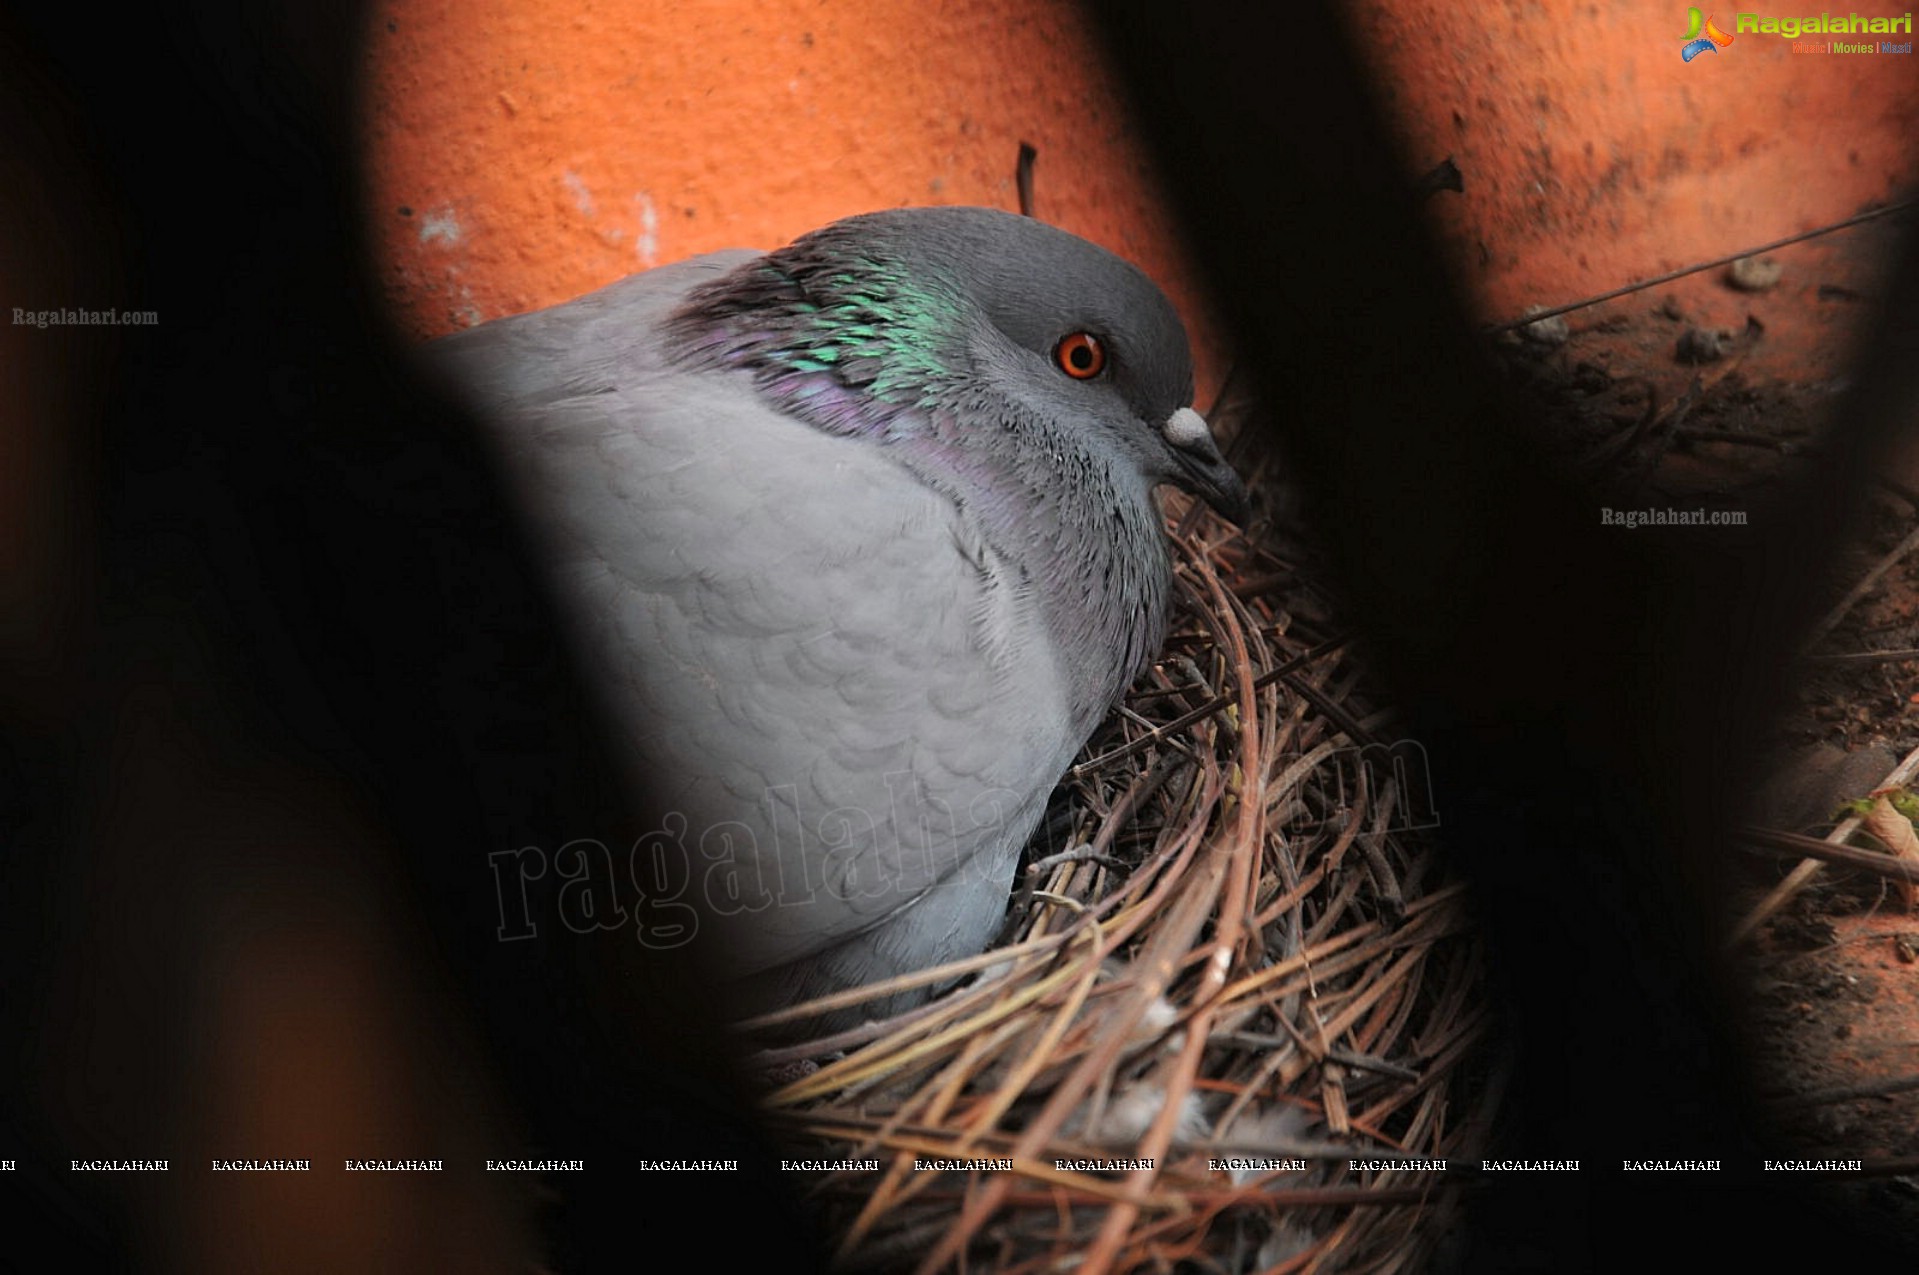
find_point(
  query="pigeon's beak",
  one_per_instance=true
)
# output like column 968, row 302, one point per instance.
column 1204, row 472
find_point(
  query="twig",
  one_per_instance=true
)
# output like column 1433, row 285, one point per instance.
column 1860, row 590
column 1785, row 447
column 1823, row 1097
column 1791, row 843
column 1900, row 490
column 1023, row 177
column 1363, row 1062
column 1809, row 868
column 1868, row 657
column 1079, row 854
column 1204, row 711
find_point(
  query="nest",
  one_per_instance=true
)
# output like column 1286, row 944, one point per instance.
column 1236, row 995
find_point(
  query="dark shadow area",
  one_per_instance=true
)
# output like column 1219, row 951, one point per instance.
column 1589, row 700
column 280, row 679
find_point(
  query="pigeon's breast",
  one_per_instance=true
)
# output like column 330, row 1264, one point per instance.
column 845, row 697
column 1079, row 531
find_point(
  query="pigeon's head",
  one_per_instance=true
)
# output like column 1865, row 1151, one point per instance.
column 999, row 322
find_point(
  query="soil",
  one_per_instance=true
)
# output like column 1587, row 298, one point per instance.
column 1835, row 972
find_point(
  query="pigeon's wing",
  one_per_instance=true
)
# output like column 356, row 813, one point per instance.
column 844, row 697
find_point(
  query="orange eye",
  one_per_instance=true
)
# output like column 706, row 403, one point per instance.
column 1080, row 356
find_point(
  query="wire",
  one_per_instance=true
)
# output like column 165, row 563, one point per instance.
column 1670, row 275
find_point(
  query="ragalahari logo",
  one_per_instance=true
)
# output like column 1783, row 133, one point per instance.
column 1697, row 43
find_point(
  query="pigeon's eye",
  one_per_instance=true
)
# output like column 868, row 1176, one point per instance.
column 1080, row 355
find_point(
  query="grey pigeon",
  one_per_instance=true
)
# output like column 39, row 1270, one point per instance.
column 860, row 537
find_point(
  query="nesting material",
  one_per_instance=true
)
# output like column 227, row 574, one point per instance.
column 1240, row 966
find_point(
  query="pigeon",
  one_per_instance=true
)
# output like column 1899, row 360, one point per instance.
column 859, row 538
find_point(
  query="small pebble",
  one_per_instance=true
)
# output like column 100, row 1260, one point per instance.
column 1754, row 274
column 1553, row 331
column 1703, row 345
